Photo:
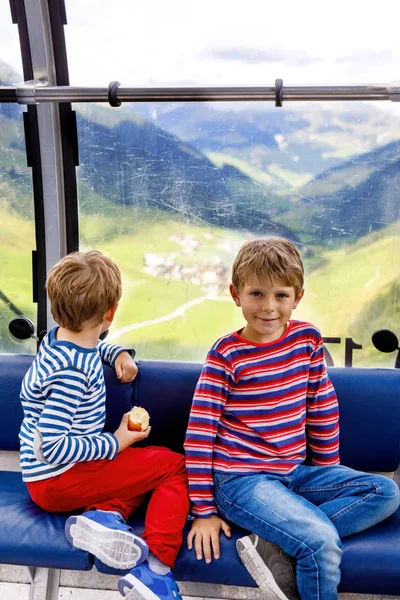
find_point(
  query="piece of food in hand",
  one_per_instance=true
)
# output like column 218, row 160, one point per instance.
column 138, row 419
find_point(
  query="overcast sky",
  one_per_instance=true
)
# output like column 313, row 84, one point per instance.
column 158, row 42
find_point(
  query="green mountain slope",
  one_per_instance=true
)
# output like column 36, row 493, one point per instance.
column 351, row 200
column 300, row 139
column 344, row 297
column 133, row 162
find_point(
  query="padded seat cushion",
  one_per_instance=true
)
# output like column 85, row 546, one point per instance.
column 370, row 440
column 369, row 402
column 371, row 559
column 228, row 570
column 31, row 536
column 165, row 389
column 119, row 398
column 370, row 563
column 12, row 371
column 369, row 408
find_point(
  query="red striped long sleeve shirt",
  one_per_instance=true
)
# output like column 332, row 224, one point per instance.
column 255, row 408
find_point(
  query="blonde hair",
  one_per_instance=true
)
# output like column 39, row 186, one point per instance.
column 272, row 258
column 82, row 287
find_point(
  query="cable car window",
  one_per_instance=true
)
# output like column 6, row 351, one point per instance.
column 170, row 190
column 17, row 236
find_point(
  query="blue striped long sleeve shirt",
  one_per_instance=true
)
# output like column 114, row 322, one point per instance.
column 63, row 399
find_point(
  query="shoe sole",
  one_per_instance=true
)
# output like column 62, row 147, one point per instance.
column 115, row 548
column 133, row 589
column 258, row 569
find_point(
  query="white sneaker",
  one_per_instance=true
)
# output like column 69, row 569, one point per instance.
column 269, row 566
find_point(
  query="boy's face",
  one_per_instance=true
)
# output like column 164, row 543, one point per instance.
column 266, row 307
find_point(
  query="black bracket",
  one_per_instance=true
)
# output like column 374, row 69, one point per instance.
column 112, row 93
column 278, row 92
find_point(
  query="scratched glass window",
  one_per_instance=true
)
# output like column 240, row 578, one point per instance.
column 16, row 204
column 171, row 192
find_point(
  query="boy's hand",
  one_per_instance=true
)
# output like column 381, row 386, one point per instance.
column 125, row 437
column 205, row 533
column 125, row 367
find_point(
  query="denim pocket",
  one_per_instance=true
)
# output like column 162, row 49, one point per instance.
column 222, row 483
column 220, row 478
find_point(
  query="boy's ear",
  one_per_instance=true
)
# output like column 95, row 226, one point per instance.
column 111, row 313
column 299, row 297
column 235, row 294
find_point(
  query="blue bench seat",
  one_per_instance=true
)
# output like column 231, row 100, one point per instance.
column 370, row 440
column 31, row 536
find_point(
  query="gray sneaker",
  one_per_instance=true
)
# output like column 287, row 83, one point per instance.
column 269, row 566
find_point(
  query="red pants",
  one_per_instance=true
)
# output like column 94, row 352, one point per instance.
column 121, row 484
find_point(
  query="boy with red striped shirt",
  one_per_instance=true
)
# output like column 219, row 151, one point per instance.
column 263, row 397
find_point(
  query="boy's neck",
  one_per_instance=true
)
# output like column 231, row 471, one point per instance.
column 87, row 338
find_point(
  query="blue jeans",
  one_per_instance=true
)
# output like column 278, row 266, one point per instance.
column 306, row 513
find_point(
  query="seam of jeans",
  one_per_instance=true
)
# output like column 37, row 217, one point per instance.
column 223, row 513
column 358, row 502
column 318, row 578
column 229, row 502
column 324, row 488
column 219, row 478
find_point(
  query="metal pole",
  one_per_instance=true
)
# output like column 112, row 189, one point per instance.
column 36, row 92
column 8, row 94
column 43, row 68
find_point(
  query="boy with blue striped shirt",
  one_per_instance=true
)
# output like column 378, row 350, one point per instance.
column 263, row 396
column 69, row 463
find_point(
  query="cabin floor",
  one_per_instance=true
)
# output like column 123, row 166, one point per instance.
column 21, row 591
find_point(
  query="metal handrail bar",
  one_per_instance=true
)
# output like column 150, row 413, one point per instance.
column 38, row 91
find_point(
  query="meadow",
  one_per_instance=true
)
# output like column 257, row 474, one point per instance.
column 176, row 275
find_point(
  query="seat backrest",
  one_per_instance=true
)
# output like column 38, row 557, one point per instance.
column 165, row 389
column 12, row 371
column 369, row 401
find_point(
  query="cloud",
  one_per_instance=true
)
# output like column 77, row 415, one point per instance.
column 371, row 57
column 254, row 56
column 381, row 64
column 227, row 42
column 9, row 41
